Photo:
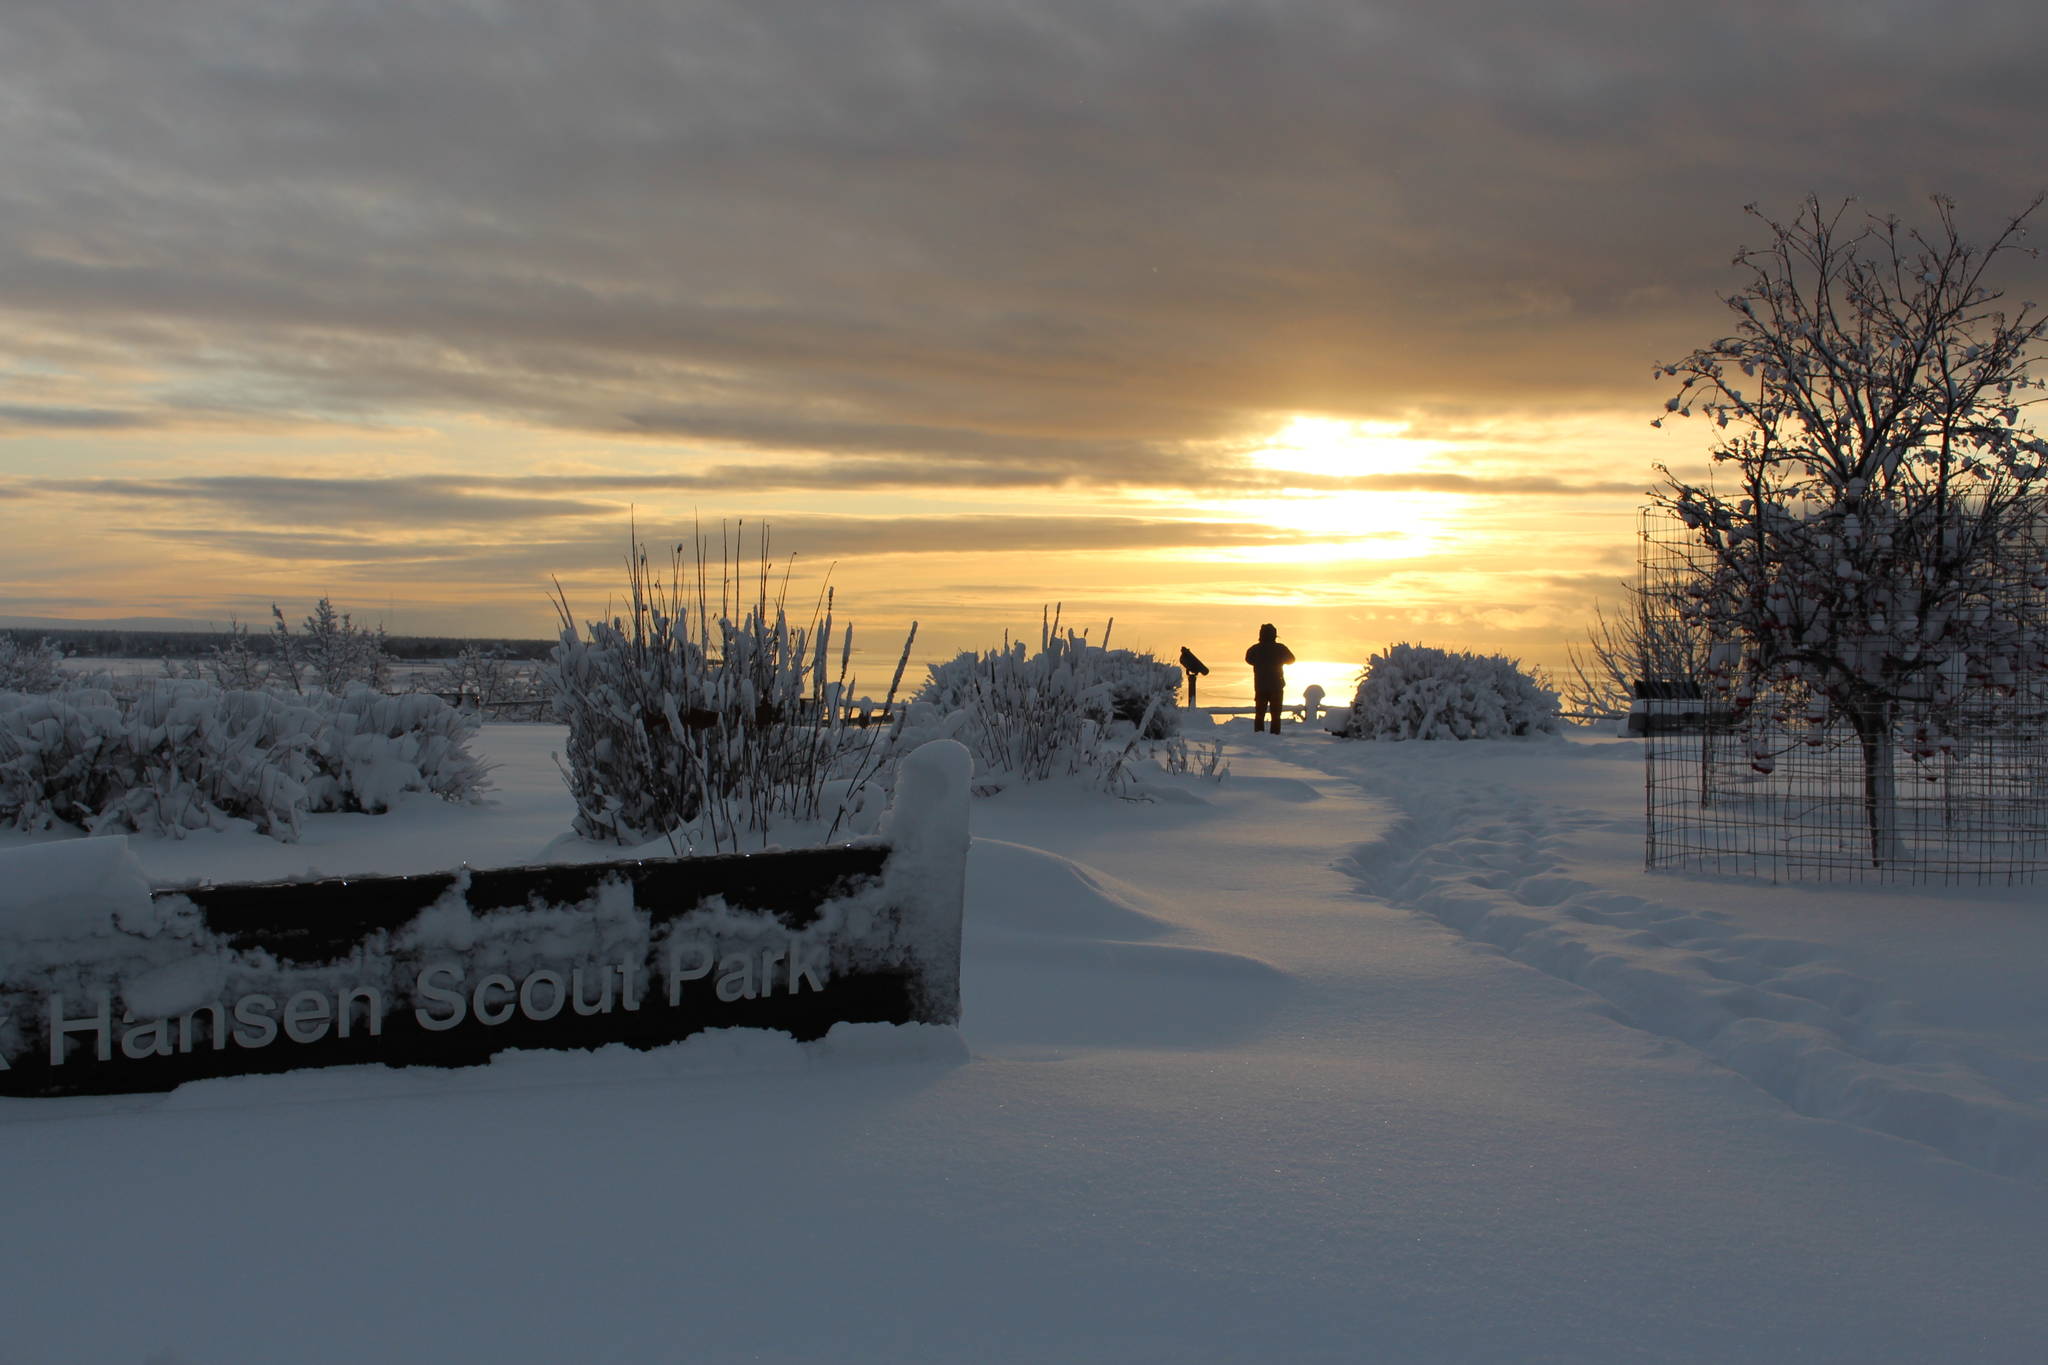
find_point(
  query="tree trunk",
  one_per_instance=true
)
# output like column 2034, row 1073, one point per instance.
column 1872, row 718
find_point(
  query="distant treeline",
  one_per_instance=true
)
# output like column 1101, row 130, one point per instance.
column 197, row 644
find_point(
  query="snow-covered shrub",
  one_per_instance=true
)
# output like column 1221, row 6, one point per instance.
column 30, row 668
column 179, row 754
column 374, row 748
column 1140, row 685
column 489, row 678
column 701, row 727
column 1417, row 692
column 1071, row 707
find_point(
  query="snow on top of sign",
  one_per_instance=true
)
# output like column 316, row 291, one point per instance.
column 184, row 984
column 927, row 873
column 930, row 807
column 75, row 912
column 605, row 922
column 73, row 888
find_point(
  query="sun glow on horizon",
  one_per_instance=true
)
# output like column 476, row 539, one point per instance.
column 1335, row 447
column 1347, row 523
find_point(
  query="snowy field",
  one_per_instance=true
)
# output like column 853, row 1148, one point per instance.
column 1373, row 1052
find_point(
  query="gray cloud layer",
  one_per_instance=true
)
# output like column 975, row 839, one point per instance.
column 1006, row 243
column 813, row 540
column 383, row 504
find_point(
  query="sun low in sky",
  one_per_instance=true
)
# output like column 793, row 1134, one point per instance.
column 1341, row 317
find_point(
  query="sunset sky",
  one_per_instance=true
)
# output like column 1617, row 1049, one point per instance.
column 1339, row 315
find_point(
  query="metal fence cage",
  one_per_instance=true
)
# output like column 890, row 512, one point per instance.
column 1777, row 788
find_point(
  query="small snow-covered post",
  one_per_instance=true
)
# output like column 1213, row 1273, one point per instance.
column 926, row 878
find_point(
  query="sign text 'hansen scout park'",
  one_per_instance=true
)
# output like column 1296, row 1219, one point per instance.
column 107, row 985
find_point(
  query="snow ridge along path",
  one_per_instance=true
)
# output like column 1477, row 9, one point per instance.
column 1490, row 862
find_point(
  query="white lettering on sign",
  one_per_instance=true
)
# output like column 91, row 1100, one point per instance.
column 746, row 976
column 220, row 1027
column 603, row 1003
column 443, row 999
column 698, row 970
column 490, row 1013
column 373, row 1010
column 306, row 1017
column 101, row 1024
column 426, row 990
column 529, row 997
column 736, row 978
column 805, row 969
column 252, row 1012
column 151, row 1039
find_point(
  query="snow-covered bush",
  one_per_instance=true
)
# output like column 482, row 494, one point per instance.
column 1416, row 692
column 1117, row 684
column 700, row 728
column 1140, row 685
column 30, row 668
column 1071, row 707
column 489, row 678
column 179, row 754
column 372, row 749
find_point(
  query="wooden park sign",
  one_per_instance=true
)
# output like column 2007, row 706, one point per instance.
column 109, row 986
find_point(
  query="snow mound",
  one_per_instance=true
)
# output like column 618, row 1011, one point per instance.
column 1054, row 957
column 1014, row 888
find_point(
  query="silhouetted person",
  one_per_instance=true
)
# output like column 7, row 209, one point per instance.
column 1269, row 659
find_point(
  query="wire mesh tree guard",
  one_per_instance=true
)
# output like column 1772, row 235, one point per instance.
column 1767, row 777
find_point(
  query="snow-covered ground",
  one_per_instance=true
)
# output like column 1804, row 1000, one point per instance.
column 1373, row 1052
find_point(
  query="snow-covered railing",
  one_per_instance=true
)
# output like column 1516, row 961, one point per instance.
column 110, row 986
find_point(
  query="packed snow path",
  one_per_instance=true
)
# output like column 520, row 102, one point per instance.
column 1213, row 1100
column 1485, row 860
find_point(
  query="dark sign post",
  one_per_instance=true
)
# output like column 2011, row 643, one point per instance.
column 139, row 990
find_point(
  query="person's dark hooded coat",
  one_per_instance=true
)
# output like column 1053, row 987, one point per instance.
column 1269, row 659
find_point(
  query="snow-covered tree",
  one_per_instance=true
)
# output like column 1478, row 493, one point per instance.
column 1878, row 547
column 332, row 652
column 237, row 666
